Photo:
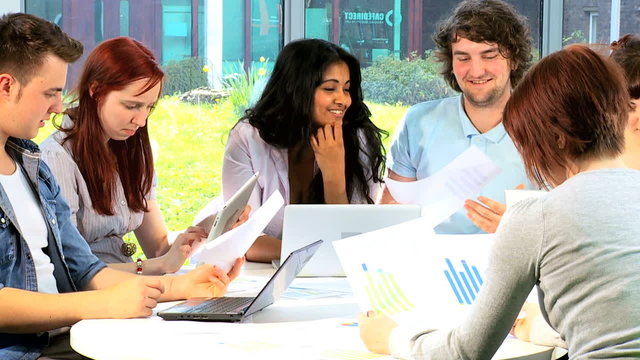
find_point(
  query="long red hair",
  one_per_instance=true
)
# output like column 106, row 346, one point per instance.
column 112, row 66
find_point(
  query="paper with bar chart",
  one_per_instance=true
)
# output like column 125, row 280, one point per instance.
column 408, row 269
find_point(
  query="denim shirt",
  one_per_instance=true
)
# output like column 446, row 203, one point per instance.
column 74, row 264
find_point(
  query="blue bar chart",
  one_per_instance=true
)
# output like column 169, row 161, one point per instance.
column 466, row 283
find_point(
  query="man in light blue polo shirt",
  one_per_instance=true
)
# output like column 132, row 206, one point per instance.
column 485, row 49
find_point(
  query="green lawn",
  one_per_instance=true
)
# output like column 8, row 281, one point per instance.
column 188, row 143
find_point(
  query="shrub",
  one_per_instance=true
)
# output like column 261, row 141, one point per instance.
column 244, row 86
column 185, row 75
column 407, row 81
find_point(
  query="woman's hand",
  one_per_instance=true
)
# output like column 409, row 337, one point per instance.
column 532, row 327
column 328, row 149
column 185, row 245
column 375, row 331
column 243, row 217
column 205, row 281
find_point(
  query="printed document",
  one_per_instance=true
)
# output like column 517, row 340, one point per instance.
column 226, row 248
column 444, row 193
column 408, row 271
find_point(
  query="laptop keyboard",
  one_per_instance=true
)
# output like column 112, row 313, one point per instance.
column 221, row 305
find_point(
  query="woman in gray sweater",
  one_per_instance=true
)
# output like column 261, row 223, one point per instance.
column 579, row 243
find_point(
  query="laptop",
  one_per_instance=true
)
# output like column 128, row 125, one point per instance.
column 304, row 224
column 234, row 309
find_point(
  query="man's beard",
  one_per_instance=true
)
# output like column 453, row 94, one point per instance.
column 485, row 100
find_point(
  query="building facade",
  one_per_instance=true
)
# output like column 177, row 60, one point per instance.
column 226, row 33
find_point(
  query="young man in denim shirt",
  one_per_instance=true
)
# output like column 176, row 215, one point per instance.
column 45, row 264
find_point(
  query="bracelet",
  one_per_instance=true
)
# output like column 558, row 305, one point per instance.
column 139, row 266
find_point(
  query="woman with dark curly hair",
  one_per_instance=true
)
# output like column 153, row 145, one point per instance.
column 309, row 136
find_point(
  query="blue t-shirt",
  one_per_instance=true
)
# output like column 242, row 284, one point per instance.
column 433, row 133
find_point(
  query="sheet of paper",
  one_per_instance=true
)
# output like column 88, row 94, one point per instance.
column 408, row 271
column 444, row 193
column 301, row 293
column 512, row 196
column 224, row 249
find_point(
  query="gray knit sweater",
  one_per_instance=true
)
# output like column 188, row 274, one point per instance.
column 581, row 244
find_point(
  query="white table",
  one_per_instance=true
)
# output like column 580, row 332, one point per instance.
column 300, row 328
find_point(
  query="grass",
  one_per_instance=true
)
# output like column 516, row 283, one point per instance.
column 387, row 117
column 188, row 143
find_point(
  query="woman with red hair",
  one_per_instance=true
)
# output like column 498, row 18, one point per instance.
column 578, row 243
column 102, row 158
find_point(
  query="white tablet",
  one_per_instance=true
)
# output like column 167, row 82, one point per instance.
column 228, row 215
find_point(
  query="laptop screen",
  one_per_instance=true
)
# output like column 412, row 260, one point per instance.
column 285, row 274
column 300, row 228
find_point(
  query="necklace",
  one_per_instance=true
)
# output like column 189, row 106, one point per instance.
column 128, row 249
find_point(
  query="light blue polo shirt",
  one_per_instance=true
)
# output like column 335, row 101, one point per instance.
column 433, row 133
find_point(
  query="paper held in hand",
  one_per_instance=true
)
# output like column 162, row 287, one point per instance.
column 444, row 193
column 226, row 248
column 408, row 271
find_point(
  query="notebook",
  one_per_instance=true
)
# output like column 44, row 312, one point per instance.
column 304, row 224
column 234, row 309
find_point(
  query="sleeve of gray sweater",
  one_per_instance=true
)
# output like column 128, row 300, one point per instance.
column 512, row 273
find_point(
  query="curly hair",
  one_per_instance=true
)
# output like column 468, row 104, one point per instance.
column 283, row 114
column 485, row 21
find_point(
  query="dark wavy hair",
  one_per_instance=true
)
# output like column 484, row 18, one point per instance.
column 485, row 20
column 571, row 106
column 112, row 66
column 626, row 52
column 25, row 41
column 283, row 114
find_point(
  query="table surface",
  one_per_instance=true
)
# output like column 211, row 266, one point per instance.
column 315, row 320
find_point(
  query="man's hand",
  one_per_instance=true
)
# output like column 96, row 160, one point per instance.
column 486, row 213
column 134, row 297
column 375, row 331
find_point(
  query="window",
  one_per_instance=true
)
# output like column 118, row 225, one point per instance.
column 177, row 30
column 593, row 27
column 383, row 34
column 215, row 42
column 374, row 28
column 599, row 21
